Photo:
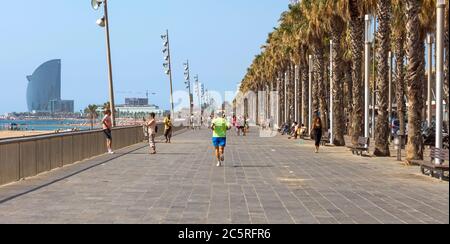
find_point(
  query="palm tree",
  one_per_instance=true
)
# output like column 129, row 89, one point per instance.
column 420, row 19
column 356, row 29
column 334, row 13
column 315, row 35
column 384, row 42
column 398, row 44
column 414, row 148
column 91, row 110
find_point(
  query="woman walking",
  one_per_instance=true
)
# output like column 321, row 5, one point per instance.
column 317, row 132
column 151, row 125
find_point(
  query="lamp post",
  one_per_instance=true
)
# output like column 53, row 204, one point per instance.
column 168, row 68
column 197, row 83
column 310, row 63
column 286, row 97
column 374, row 76
column 366, row 76
column 296, row 94
column 187, row 78
column 440, row 13
column 331, row 94
column 430, row 75
column 104, row 22
column 390, row 90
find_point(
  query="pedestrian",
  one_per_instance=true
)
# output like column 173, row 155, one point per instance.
column 219, row 127
column 168, row 129
column 151, row 125
column 191, row 120
column 239, row 126
column 145, row 129
column 317, row 132
column 245, row 127
column 107, row 130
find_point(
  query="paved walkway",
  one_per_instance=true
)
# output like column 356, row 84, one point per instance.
column 265, row 180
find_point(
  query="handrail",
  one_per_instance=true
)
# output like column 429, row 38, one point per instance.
column 51, row 135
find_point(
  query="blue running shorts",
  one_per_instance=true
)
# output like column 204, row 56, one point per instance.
column 219, row 141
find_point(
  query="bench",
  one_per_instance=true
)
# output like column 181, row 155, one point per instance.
column 325, row 138
column 430, row 168
column 362, row 146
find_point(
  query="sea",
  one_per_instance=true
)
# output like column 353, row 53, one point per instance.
column 46, row 125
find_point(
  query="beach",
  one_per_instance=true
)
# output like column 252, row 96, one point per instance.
column 17, row 134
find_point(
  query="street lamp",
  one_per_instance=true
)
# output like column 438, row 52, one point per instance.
column 286, row 97
column 197, row 83
column 310, row 66
column 168, row 67
column 390, row 90
column 430, row 75
column 366, row 76
column 331, row 95
column 187, row 77
column 440, row 13
column 104, row 22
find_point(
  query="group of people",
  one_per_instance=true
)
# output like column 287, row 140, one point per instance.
column 241, row 125
column 150, row 130
column 219, row 126
column 296, row 130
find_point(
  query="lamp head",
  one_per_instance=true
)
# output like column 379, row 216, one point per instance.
column 96, row 4
column 101, row 22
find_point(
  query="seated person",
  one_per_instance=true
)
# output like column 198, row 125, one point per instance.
column 294, row 131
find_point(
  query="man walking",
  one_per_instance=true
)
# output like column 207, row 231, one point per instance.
column 168, row 128
column 220, row 126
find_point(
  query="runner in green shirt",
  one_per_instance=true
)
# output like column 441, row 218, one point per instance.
column 220, row 126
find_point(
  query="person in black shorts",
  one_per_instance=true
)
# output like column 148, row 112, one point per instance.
column 107, row 127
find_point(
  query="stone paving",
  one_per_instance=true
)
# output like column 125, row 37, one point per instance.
column 264, row 180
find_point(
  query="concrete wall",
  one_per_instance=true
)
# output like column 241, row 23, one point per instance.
column 26, row 157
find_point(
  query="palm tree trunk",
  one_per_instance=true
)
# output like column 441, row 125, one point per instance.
column 293, row 92
column 320, row 91
column 257, row 103
column 315, row 86
column 349, row 98
column 356, row 28
column 338, row 106
column 399, row 44
column 278, row 105
column 92, row 121
column 384, row 42
column 305, row 90
column 414, row 149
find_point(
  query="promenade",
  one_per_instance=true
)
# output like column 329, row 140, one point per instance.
column 264, row 180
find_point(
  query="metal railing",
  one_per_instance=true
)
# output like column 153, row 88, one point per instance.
column 26, row 157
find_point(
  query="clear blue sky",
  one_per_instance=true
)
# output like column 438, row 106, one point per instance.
column 220, row 38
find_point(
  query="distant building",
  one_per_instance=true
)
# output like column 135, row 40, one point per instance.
column 131, row 111
column 136, row 101
column 135, row 107
column 44, row 89
column 61, row 106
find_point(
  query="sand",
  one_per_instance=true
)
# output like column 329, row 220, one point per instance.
column 16, row 134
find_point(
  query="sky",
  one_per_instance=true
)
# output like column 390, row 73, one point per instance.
column 219, row 37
